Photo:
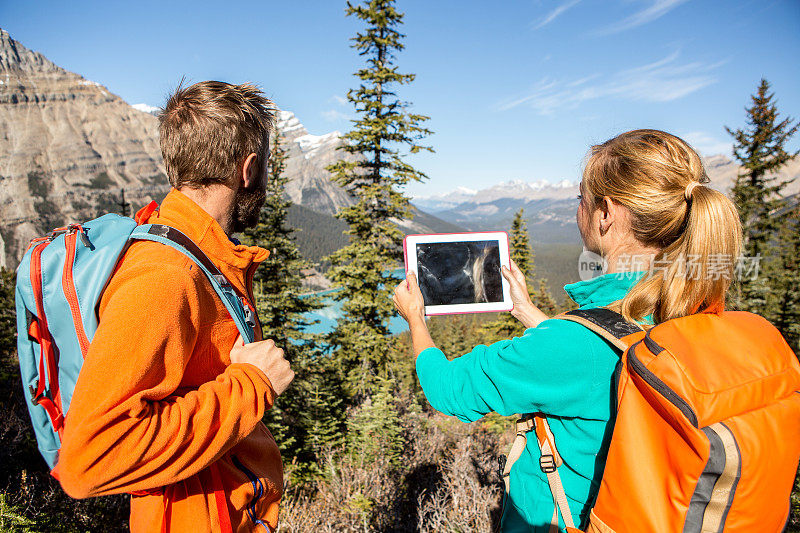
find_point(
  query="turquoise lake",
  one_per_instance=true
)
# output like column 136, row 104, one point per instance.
column 332, row 312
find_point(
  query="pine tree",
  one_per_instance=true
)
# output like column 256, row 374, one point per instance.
column 787, row 286
column 124, row 207
column 521, row 251
column 544, row 300
column 374, row 431
column 506, row 326
column 278, row 283
column 760, row 148
column 374, row 177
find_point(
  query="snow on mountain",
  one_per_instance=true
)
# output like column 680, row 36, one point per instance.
column 550, row 207
column 144, row 108
column 289, row 123
column 311, row 144
column 514, row 190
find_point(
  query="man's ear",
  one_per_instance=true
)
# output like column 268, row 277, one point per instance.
column 249, row 170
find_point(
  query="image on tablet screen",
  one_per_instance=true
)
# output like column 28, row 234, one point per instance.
column 459, row 272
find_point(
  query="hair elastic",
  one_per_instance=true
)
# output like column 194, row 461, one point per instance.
column 687, row 193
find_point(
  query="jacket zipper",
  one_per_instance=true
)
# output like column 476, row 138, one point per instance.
column 251, row 299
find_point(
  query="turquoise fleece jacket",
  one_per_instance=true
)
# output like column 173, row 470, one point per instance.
column 559, row 368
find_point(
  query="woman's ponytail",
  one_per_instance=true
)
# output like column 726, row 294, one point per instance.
column 660, row 179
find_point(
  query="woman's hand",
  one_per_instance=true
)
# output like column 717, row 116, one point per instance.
column 523, row 310
column 408, row 299
column 411, row 306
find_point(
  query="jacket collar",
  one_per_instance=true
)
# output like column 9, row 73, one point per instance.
column 233, row 259
column 603, row 290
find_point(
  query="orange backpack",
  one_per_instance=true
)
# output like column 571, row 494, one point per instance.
column 707, row 435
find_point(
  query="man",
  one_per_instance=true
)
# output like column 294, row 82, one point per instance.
column 169, row 401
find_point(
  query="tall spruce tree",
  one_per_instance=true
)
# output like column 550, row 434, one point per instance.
column 787, row 284
column 382, row 135
column 761, row 149
column 277, row 283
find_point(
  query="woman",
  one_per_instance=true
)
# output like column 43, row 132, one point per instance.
column 645, row 209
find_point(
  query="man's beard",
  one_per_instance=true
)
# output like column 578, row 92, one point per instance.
column 247, row 207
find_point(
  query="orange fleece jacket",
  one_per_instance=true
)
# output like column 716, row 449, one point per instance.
column 158, row 401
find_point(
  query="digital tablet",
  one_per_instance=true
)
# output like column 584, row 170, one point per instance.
column 460, row 272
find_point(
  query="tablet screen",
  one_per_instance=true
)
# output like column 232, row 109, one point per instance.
column 452, row 273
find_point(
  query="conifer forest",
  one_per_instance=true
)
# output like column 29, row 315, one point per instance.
column 362, row 449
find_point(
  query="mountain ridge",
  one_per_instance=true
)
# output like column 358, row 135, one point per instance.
column 550, row 208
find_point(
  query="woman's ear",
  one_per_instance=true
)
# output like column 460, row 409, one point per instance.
column 606, row 210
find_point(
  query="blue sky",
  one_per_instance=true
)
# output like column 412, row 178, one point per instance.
column 514, row 89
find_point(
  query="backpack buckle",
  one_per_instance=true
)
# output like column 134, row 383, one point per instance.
column 547, row 463
column 248, row 314
column 34, row 398
column 222, row 280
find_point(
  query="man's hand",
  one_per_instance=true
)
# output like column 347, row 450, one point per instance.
column 268, row 358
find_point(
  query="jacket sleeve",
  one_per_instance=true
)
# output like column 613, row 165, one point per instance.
column 559, row 368
column 129, row 427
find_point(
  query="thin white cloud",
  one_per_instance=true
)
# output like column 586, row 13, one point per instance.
column 341, row 100
column 707, row 144
column 332, row 115
column 655, row 10
column 660, row 81
column 554, row 14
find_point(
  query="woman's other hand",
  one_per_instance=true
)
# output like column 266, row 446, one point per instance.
column 411, row 306
column 524, row 310
column 408, row 299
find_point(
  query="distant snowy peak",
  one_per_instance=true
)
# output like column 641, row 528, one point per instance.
column 289, row 125
column 312, row 144
column 514, row 190
column 459, row 194
column 144, row 108
column 528, row 191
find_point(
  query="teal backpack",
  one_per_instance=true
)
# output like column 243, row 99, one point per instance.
column 59, row 284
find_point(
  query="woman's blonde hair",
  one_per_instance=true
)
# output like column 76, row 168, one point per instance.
column 696, row 228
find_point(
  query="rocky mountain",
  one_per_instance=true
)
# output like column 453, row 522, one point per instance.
column 68, row 147
column 722, row 172
column 550, row 208
column 308, row 155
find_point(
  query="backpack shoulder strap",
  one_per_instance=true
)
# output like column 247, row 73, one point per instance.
column 609, row 324
column 173, row 238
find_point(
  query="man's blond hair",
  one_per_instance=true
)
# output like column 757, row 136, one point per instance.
column 208, row 129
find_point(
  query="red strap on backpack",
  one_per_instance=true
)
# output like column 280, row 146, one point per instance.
column 143, row 215
column 221, row 500
column 47, row 357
